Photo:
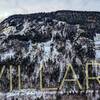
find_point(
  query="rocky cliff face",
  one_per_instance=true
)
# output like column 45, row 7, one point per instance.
column 49, row 39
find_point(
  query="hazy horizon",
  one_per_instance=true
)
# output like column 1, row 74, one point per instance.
column 11, row 7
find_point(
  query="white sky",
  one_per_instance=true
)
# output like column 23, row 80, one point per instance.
column 9, row 7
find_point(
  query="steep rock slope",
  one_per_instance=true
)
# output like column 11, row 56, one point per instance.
column 49, row 39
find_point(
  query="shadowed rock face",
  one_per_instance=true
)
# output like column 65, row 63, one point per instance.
column 51, row 39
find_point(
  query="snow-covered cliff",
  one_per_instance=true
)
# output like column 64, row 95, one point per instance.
column 47, row 39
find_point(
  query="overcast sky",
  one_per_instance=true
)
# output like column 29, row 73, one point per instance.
column 9, row 7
